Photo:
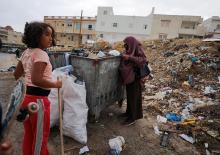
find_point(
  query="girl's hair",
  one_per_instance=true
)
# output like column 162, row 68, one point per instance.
column 33, row 32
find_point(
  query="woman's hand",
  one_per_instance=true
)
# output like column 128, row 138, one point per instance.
column 6, row 148
column 125, row 56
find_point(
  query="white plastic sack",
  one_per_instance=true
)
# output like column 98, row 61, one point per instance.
column 75, row 110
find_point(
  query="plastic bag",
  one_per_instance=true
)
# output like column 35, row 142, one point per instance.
column 75, row 110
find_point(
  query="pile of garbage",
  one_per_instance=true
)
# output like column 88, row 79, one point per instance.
column 185, row 90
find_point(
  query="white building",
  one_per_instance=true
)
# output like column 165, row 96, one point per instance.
column 113, row 28
column 212, row 26
column 175, row 26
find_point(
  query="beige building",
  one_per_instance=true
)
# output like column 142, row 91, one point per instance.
column 71, row 31
column 9, row 36
column 175, row 26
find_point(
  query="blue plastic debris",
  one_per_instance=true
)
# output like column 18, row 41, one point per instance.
column 173, row 117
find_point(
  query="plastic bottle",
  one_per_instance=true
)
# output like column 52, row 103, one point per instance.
column 116, row 145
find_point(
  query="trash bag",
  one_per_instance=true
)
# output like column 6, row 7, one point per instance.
column 75, row 110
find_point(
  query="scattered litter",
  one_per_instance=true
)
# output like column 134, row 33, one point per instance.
column 209, row 90
column 173, row 117
column 164, row 139
column 191, row 81
column 213, row 133
column 83, row 150
column 161, row 119
column 186, row 85
column 158, row 96
column 114, row 53
column 187, row 138
column 116, row 145
column 169, row 53
column 191, row 121
column 206, row 149
column 156, row 130
column 100, row 54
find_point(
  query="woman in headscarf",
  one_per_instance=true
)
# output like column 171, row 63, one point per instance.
column 133, row 55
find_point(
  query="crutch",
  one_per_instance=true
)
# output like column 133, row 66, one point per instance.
column 61, row 121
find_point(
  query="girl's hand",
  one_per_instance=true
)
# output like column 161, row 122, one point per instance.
column 58, row 84
column 6, row 148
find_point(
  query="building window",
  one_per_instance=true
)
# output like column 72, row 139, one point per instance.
column 218, row 27
column 101, row 35
column 69, row 24
column 78, row 26
column 115, row 25
column 105, row 12
column 89, row 27
column 165, row 23
column 62, row 24
column 162, row 36
column 188, row 25
column 145, row 27
column 72, row 38
column 89, row 36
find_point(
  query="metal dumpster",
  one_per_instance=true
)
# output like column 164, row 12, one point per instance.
column 102, row 81
column 58, row 59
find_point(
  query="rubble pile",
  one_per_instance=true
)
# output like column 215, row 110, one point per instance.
column 186, row 83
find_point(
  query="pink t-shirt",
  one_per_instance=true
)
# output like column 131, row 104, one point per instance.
column 29, row 57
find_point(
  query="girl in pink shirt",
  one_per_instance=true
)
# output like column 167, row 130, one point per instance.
column 34, row 64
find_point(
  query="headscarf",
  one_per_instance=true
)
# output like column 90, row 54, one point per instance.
column 134, row 47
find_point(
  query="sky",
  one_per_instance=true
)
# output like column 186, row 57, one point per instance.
column 16, row 12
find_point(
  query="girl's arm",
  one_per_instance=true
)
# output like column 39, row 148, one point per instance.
column 19, row 71
column 37, row 77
